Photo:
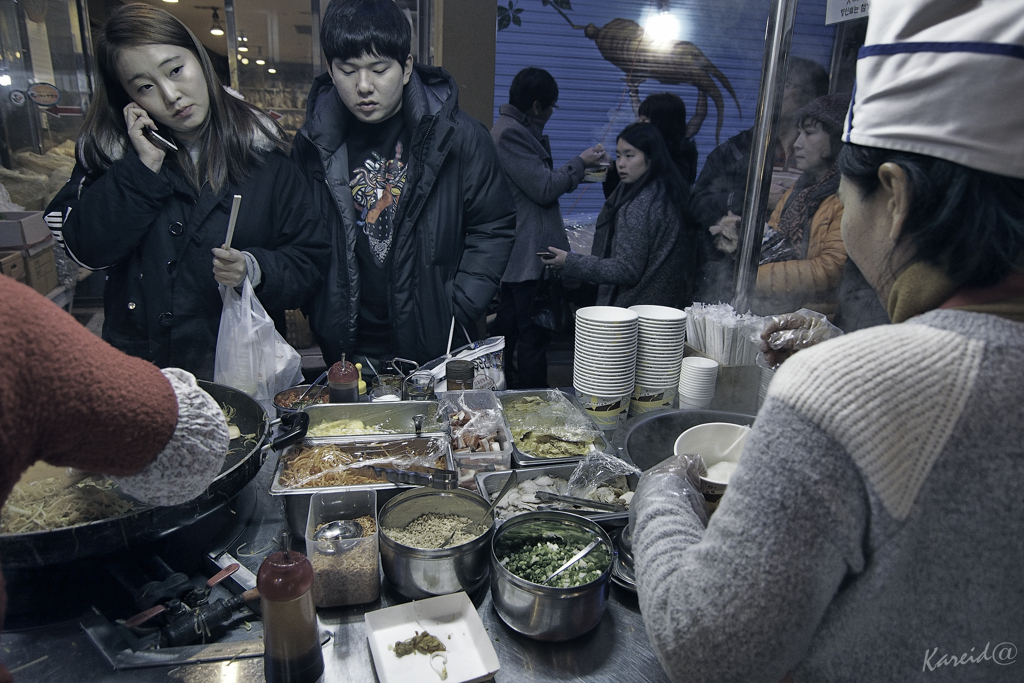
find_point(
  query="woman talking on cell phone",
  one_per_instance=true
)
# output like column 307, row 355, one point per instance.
column 162, row 152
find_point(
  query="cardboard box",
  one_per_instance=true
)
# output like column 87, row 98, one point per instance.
column 12, row 264
column 41, row 267
column 22, row 229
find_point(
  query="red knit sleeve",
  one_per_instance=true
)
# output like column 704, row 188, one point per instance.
column 71, row 399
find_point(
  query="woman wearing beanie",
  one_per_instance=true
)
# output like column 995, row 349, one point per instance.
column 802, row 255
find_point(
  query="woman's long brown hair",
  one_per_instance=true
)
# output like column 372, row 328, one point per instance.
column 227, row 139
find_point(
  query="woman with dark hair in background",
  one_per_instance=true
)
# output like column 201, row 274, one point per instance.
column 155, row 215
column 802, row 255
column 645, row 247
column 874, row 529
column 666, row 112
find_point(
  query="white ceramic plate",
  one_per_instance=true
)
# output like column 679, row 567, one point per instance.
column 649, row 312
column 452, row 619
column 607, row 314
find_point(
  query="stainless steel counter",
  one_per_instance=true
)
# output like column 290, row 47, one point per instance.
column 617, row 650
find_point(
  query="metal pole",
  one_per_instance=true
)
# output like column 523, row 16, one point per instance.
column 424, row 32
column 231, row 34
column 837, row 57
column 85, row 29
column 317, row 58
column 779, row 35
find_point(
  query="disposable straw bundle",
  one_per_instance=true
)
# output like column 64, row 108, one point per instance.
column 717, row 331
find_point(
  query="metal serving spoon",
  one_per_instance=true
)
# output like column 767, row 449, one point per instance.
column 328, row 536
column 573, row 560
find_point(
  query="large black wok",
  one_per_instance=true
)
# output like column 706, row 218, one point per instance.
column 146, row 525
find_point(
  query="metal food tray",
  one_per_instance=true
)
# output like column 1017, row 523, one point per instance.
column 490, row 483
column 552, row 395
column 277, row 489
column 394, row 417
column 296, row 500
column 471, row 464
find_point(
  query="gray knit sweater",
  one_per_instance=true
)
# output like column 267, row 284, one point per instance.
column 648, row 256
column 874, row 530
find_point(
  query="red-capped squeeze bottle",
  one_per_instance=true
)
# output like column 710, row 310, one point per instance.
column 343, row 382
column 291, row 639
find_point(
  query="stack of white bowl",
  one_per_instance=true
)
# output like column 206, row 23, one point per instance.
column 697, row 379
column 660, row 340
column 604, row 361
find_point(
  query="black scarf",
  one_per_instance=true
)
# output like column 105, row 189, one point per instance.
column 803, row 203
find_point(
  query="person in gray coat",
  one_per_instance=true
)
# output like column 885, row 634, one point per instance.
column 646, row 249
column 525, row 155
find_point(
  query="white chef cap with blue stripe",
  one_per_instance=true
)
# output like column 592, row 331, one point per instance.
column 943, row 78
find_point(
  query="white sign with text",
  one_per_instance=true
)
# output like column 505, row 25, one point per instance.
column 837, row 11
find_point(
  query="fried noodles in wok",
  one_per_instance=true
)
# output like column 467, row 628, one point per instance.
column 46, row 504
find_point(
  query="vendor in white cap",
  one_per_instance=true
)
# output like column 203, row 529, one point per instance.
column 874, row 529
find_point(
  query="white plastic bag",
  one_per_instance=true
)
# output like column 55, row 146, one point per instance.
column 252, row 356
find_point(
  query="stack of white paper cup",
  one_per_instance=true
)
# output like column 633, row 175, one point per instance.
column 660, row 339
column 604, row 362
column 697, row 377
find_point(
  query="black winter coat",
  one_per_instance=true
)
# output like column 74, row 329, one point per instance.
column 153, row 235
column 723, row 180
column 454, row 230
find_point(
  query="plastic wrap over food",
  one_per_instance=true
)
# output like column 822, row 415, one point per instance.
column 550, row 428
column 351, row 463
column 360, row 419
column 597, row 469
column 475, row 428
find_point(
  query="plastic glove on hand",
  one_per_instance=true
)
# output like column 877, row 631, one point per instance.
column 674, row 479
column 786, row 334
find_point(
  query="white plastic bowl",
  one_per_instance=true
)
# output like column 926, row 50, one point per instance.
column 715, row 442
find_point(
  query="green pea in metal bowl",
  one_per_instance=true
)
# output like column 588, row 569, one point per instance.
column 550, row 612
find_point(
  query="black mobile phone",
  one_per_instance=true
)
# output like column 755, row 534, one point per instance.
column 545, row 254
column 159, row 140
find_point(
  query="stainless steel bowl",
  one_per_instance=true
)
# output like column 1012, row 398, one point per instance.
column 545, row 612
column 419, row 573
column 283, row 400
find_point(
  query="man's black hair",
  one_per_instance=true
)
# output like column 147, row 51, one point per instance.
column 809, row 76
column 532, row 85
column 967, row 222
column 354, row 28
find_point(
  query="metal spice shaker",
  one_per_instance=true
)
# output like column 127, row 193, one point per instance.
column 343, row 382
column 291, row 639
column 459, row 374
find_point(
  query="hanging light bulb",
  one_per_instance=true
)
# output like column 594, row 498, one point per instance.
column 242, row 47
column 245, row 60
column 259, row 56
column 662, row 27
column 271, row 70
column 216, row 29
